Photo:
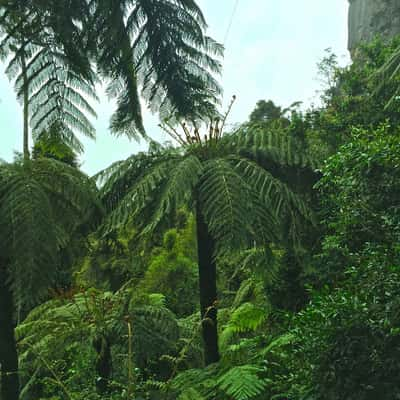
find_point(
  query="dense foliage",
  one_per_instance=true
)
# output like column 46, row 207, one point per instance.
column 262, row 263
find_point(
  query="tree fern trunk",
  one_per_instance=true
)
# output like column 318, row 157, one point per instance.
column 103, row 364
column 26, row 108
column 8, row 349
column 208, row 290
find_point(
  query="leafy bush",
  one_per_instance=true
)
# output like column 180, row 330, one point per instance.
column 360, row 188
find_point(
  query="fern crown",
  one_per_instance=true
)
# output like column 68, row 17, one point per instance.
column 42, row 202
column 242, row 202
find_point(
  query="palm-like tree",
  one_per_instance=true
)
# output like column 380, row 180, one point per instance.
column 237, row 202
column 50, row 90
column 42, row 202
column 157, row 48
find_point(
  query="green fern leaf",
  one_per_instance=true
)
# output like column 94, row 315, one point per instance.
column 191, row 394
column 181, row 182
column 242, row 383
column 247, row 318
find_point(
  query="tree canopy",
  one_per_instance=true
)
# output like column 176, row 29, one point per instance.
column 260, row 262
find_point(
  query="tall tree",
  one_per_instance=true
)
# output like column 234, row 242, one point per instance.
column 237, row 202
column 156, row 49
column 265, row 111
column 42, row 202
column 50, row 89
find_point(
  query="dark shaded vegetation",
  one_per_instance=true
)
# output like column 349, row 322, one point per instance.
column 262, row 263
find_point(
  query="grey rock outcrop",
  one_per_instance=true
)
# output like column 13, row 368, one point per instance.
column 368, row 18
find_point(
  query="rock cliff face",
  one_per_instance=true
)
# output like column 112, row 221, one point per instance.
column 368, row 18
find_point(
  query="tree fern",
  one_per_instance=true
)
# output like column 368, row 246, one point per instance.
column 54, row 92
column 155, row 49
column 41, row 203
column 238, row 203
column 27, row 212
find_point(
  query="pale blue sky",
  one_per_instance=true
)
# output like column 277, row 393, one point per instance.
column 272, row 52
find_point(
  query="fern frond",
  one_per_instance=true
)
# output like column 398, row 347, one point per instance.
column 117, row 180
column 182, row 180
column 157, row 300
column 139, row 196
column 56, row 93
column 244, row 293
column 251, row 290
column 243, row 382
column 155, row 331
column 387, row 73
column 202, row 380
column 30, row 236
column 243, row 351
column 275, row 194
column 233, row 207
column 191, row 394
column 257, row 258
column 223, row 196
column 41, row 203
column 176, row 73
column 257, row 143
column 247, row 318
column 67, row 187
column 278, row 343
